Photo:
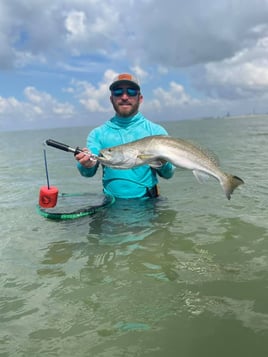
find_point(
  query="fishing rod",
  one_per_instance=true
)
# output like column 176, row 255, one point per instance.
column 48, row 195
column 64, row 147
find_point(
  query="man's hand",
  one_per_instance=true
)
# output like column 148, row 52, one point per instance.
column 86, row 158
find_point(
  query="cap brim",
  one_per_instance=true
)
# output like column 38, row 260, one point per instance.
column 117, row 83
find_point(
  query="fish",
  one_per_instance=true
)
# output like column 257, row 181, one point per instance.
column 156, row 150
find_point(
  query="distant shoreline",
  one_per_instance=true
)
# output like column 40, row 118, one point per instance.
column 246, row 116
column 240, row 116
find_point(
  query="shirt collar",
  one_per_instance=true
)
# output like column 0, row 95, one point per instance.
column 124, row 122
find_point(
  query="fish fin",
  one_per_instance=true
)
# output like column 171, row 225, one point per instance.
column 200, row 176
column 230, row 183
column 145, row 157
column 156, row 164
column 151, row 160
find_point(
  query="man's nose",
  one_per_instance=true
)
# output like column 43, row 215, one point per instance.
column 124, row 96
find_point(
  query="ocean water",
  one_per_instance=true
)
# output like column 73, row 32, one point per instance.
column 184, row 276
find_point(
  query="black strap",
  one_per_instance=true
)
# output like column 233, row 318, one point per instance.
column 152, row 192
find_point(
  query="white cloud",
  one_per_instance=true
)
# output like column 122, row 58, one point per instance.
column 216, row 54
column 174, row 33
column 180, row 33
column 175, row 96
column 242, row 75
column 75, row 23
column 139, row 72
column 54, row 29
column 8, row 104
column 95, row 98
column 34, row 96
column 36, row 109
column 47, row 104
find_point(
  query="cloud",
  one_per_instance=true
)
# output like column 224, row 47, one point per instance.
column 175, row 96
column 176, row 33
column 180, row 33
column 94, row 98
column 46, row 104
column 242, row 76
column 55, row 29
column 140, row 73
column 38, row 110
column 194, row 58
column 175, row 103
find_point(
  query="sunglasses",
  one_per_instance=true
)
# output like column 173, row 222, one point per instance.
column 131, row 92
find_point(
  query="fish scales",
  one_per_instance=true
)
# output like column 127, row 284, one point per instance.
column 157, row 149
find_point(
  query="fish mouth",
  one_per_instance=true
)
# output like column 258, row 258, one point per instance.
column 101, row 157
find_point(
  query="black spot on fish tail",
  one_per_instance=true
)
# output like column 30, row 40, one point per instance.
column 239, row 179
column 230, row 183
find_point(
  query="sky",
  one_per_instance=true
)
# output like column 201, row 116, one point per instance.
column 193, row 58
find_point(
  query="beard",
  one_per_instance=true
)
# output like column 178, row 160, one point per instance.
column 126, row 109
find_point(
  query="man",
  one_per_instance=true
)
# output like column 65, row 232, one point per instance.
column 127, row 125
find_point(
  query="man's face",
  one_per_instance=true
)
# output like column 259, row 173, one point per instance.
column 126, row 104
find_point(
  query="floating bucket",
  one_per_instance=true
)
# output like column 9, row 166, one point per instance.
column 48, row 196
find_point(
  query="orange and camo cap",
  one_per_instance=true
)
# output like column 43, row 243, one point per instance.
column 125, row 78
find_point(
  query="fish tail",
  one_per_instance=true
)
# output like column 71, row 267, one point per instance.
column 230, row 183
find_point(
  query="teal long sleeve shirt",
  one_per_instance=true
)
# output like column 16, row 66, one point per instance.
column 130, row 183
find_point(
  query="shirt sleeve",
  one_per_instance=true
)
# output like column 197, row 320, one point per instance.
column 166, row 171
column 87, row 172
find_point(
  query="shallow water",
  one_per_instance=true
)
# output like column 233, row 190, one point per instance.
column 185, row 275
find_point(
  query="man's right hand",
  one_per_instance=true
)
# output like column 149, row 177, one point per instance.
column 86, row 159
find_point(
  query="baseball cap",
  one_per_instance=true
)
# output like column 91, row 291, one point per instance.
column 125, row 78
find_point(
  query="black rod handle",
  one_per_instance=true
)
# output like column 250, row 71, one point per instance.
column 61, row 146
